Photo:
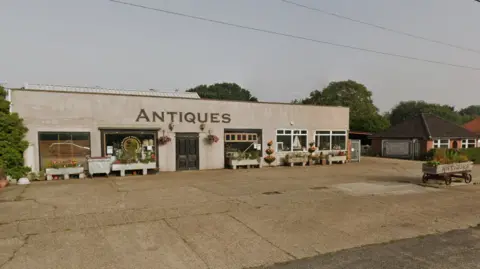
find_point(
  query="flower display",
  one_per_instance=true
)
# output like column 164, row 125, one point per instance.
column 63, row 164
column 212, row 138
column 164, row 140
column 270, row 143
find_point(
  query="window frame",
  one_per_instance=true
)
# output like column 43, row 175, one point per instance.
column 467, row 143
column 438, row 143
column 59, row 133
column 330, row 134
column 301, row 132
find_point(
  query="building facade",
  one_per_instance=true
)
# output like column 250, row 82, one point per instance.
column 413, row 138
column 71, row 123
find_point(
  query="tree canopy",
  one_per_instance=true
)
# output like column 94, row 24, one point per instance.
column 364, row 114
column 408, row 109
column 473, row 111
column 224, row 91
column 12, row 143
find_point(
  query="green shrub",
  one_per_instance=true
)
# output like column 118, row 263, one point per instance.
column 473, row 154
column 12, row 140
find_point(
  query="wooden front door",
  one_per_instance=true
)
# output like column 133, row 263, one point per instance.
column 187, row 151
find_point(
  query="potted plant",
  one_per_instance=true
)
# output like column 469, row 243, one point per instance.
column 212, row 139
column 270, row 158
column 311, row 150
column 323, row 158
column 164, row 139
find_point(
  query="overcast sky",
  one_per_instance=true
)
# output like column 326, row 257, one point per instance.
column 100, row 43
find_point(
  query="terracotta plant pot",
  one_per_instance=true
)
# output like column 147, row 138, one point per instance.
column 3, row 183
column 324, row 161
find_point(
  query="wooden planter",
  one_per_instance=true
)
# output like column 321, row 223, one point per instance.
column 340, row 159
column 245, row 162
column 296, row 160
column 447, row 172
column 65, row 172
column 447, row 168
column 122, row 167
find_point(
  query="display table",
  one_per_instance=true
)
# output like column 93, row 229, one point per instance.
column 122, row 167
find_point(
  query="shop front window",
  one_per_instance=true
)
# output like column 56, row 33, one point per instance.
column 331, row 140
column 130, row 146
column 291, row 140
column 63, row 147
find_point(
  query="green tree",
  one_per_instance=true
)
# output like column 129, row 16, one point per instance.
column 224, row 91
column 12, row 140
column 473, row 110
column 409, row 109
column 364, row 115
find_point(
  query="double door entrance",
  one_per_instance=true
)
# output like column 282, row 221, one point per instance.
column 187, row 156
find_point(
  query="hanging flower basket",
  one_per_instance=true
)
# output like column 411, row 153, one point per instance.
column 270, row 143
column 269, row 151
column 212, row 139
column 164, row 140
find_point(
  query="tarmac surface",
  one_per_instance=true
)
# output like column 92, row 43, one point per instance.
column 232, row 218
column 458, row 249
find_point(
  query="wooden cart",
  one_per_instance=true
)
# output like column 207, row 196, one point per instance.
column 447, row 172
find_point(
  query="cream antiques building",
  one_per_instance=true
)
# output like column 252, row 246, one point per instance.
column 176, row 131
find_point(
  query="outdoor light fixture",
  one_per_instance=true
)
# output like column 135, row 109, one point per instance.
column 202, row 126
column 171, row 125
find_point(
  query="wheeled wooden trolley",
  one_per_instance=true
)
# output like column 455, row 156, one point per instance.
column 447, row 172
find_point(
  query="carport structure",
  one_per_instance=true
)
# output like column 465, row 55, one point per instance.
column 413, row 138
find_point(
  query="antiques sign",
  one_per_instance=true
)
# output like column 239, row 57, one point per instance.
column 189, row 117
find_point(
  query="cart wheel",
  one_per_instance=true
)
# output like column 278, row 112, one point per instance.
column 468, row 178
column 448, row 180
column 425, row 178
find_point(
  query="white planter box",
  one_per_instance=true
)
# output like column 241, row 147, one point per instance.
column 122, row 167
column 293, row 160
column 246, row 162
column 99, row 166
column 65, row 172
column 332, row 159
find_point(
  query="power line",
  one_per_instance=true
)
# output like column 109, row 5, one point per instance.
column 295, row 36
column 381, row 27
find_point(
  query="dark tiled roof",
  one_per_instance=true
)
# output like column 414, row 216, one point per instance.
column 426, row 126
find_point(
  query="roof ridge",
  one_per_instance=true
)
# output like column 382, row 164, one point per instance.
column 424, row 122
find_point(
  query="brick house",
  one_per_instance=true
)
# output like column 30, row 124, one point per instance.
column 413, row 138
